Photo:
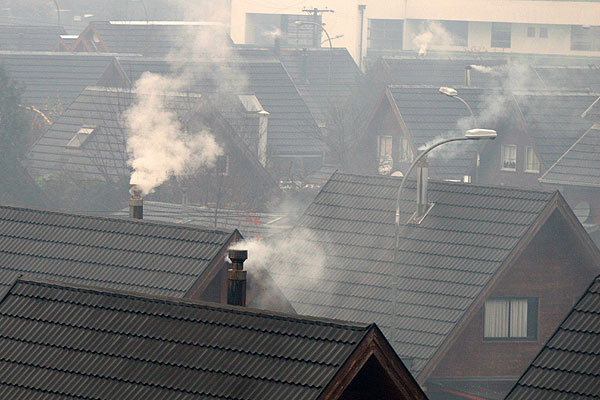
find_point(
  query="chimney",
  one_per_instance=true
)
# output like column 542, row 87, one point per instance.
column 468, row 76
column 277, row 46
column 263, row 129
column 236, row 286
column 136, row 203
column 422, row 177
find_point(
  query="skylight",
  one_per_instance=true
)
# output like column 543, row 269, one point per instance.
column 250, row 103
column 81, row 137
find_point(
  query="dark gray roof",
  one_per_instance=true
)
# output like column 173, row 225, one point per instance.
column 292, row 127
column 156, row 39
column 429, row 115
column 324, row 77
column 570, row 77
column 580, row 165
column 251, row 224
column 78, row 342
column 29, row 37
column 142, row 256
column 553, row 119
column 402, row 71
column 51, row 78
column 446, row 261
column 568, row 367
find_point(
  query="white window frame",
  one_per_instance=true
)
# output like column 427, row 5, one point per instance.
column 81, row 137
column 535, row 164
column 389, row 147
column 406, row 153
column 503, row 158
column 510, row 319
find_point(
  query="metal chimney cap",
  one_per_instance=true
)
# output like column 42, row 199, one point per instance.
column 238, row 255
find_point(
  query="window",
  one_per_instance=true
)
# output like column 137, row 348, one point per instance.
column 510, row 319
column 531, row 31
column 81, row 137
column 262, row 29
column 406, row 153
column 509, row 157
column 458, row 30
column 585, row 38
column 385, row 34
column 384, row 155
column 543, row 32
column 501, row 35
column 532, row 164
column 250, row 103
column 222, row 165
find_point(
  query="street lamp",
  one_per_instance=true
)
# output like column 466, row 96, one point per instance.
column 451, row 92
column 471, row 134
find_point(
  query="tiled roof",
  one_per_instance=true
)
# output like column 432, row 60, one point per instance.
column 155, row 39
column 292, row 127
column 570, row 77
column 568, row 367
column 438, row 73
column 85, row 343
column 553, row 120
column 445, row 261
column 429, row 115
column 250, row 223
column 323, row 77
column 580, row 165
column 29, row 37
column 50, row 78
column 142, row 256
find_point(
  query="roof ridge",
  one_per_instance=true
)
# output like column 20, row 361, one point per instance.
column 193, row 303
column 442, row 183
column 129, row 221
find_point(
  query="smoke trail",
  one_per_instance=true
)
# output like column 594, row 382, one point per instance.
column 432, row 33
column 158, row 145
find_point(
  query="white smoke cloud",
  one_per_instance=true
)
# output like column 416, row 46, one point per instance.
column 432, row 32
column 158, row 145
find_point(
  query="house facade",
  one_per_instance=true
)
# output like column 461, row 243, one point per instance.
column 371, row 28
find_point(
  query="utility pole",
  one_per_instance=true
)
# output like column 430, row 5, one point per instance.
column 316, row 31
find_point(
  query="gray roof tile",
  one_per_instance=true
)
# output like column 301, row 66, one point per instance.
column 568, row 367
column 446, row 261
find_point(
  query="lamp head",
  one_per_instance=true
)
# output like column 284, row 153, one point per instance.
column 481, row 134
column 448, row 91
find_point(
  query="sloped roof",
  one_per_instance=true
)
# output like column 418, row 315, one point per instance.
column 323, row 77
column 570, row 77
column 292, row 129
column 87, row 343
column 50, row 78
column 250, row 223
column 445, row 262
column 580, row 165
column 568, row 366
column 153, row 39
column 142, row 256
column 436, row 72
column 553, row 119
column 430, row 115
column 29, row 37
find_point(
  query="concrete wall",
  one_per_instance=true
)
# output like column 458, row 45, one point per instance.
column 346, row 19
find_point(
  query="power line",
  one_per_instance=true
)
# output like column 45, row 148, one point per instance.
column 316, row 12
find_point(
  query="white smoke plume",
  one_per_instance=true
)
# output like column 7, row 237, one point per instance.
column 432, row 32
column 158, row 145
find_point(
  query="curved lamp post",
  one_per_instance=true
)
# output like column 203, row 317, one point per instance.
column 451, row 92
column 472, row 134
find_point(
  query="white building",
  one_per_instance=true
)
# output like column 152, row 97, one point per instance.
column 548, row 27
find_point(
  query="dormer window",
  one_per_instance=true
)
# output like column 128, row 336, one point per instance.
column 81, row 137
column 250, row 103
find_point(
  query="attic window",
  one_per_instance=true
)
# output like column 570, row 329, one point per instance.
column 250, row 103
column 81, row 137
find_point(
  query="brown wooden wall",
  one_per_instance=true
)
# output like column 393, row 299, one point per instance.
column 551, row 269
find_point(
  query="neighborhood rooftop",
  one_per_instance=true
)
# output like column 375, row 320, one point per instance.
column 568, row 367
column 445, row 262
column 64, row 341
column 142, row 256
